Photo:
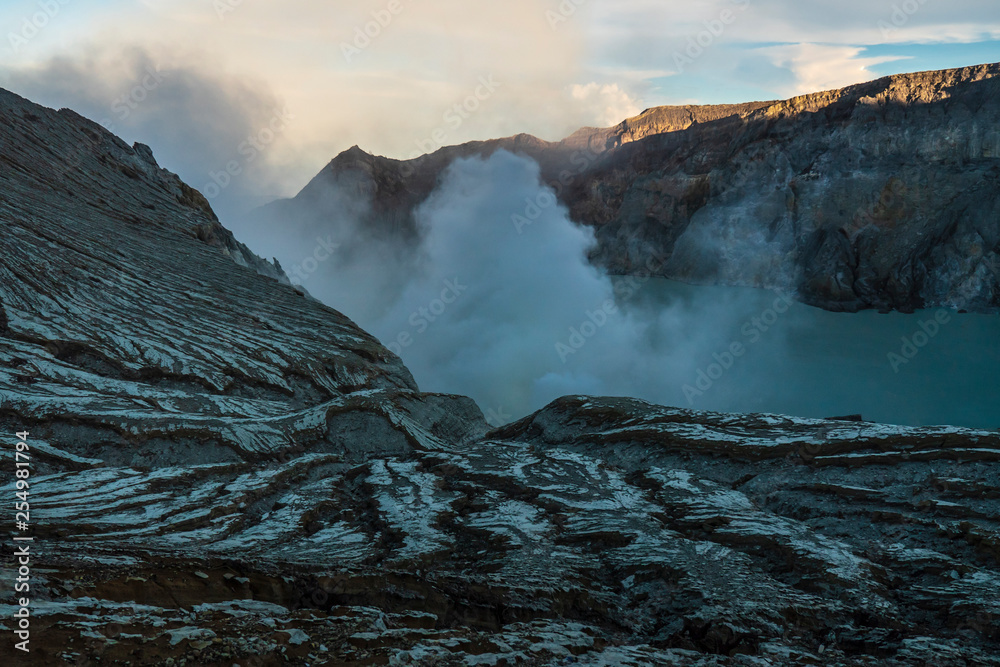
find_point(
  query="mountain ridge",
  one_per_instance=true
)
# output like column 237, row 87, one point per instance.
column 223, row 471
column 675, row 181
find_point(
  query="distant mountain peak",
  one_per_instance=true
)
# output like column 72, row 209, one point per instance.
column 225, row 472
column 818, row 176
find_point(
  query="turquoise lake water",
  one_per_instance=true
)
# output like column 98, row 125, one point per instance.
column 813, row 363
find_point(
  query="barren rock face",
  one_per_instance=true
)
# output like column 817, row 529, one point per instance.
column 882, row 195
column 225, row 471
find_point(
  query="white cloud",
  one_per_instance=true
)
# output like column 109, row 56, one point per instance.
column 596, row 69
column 643, row 25
column 647, row 34
column 604, row 106
column 818, row 67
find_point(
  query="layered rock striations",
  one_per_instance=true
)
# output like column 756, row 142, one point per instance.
column 225, row 471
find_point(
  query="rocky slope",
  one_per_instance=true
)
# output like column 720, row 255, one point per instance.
column 225, row 471
column 881, row 195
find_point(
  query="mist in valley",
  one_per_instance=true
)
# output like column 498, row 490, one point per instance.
column 495, row 298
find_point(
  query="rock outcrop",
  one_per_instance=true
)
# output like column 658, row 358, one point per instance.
column 224, row 471
column 881, row 195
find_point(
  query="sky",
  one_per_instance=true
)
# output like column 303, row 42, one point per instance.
column 247, row 100
column 275, row 90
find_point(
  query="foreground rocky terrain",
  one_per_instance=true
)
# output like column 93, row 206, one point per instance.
column 225, row 471
column 881, row 195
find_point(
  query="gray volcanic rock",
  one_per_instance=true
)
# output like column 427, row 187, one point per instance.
column 227, row 472
column 381, row 192
column 881, row 195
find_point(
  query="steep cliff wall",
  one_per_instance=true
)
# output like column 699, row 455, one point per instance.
column 224, row 471
column 881, row 195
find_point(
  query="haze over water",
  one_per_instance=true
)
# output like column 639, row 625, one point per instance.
column 815, row 363
column 516, row 317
